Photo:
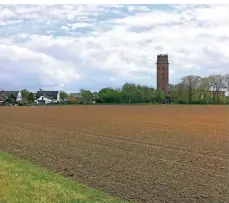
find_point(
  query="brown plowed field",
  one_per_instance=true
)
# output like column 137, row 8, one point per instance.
column 157, row 153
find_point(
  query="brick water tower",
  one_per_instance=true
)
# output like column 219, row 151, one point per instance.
column 163, row 73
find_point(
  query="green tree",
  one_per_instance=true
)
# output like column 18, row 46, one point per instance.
column 95, row 96
column 10, row 99
column 86, row 96
column 129, row 93
column 172, row 90
column 31, row 97
column 23, row 102
column 158, row 95
column 182, row 93
column 191, row 82
column 175, row 92
column 72, row 100
column 63, row 95
column 25, row 94
column 203, row 89
column 144, row 94
column 109, row 95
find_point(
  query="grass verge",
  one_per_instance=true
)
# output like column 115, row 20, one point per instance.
column 23, row 182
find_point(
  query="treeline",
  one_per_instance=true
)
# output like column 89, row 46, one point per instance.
column 191, row 90
column 196, row 89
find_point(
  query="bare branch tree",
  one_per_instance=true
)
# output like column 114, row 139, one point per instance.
column 226, row 81
column 191, row 82
column 171, row 89
column 217, row 83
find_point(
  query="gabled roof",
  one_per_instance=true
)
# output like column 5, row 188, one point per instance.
column 7, row 93
column 47, row 94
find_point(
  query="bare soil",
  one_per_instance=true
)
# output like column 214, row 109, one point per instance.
column 158, row 153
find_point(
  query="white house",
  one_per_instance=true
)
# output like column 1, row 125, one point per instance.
column 5, row 94
column 2, row 98
column 46, row 97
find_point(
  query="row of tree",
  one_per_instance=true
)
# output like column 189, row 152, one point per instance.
column 197, row 88
column 191, row 89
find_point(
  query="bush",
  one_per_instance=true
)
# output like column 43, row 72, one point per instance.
column 198, row 102
column 180, row 102
column 72, row 101
column 23, row 102
column 6, row 103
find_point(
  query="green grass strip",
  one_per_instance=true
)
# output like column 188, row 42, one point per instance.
column 23, row 182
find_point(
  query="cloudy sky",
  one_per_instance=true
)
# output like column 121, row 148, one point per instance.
column 94, row 46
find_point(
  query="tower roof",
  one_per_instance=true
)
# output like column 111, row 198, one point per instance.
column 162, row 55
column 162, row 58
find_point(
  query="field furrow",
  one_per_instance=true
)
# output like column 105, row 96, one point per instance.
column 141, row 153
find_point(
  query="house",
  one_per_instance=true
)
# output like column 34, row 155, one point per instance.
column 220, row 93
column 46, row 97
column 2, row 98
column 5, row 94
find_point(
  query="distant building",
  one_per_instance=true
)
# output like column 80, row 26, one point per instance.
column 2, row 98
column 220, row 93
column 5, row 94
column 46, row 97
column 163, row 73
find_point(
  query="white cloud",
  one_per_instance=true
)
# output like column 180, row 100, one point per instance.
column 38, row 66
column 80, row 25
column 149, row 18
column 119, row 46
column 213, row 15
column 6, row 14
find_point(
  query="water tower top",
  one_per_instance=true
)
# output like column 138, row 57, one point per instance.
column 162, row 58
